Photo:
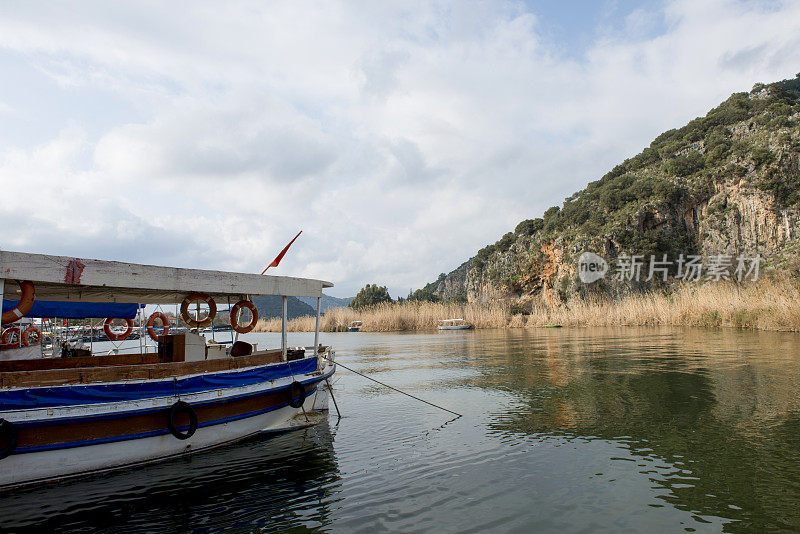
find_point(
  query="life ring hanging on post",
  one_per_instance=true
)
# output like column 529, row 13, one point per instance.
column 31, row 336
column 151, row 330
column 198, row 297
column 234, row 319
column 11, row 336
column 24, row 304
column 114, row 336
column 174, row 410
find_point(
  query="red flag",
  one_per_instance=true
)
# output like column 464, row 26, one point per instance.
column 279, row 257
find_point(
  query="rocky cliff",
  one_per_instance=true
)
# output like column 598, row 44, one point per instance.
column 725, row 187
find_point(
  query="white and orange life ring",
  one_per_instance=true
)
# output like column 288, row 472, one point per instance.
column 31, row 336
column 151, row 329
column 234, row 319
column 11, row 337
column 198, row 297
column 23, row 306
column 113, row 336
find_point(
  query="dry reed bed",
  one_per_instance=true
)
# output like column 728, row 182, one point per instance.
column 396, row 317
column 772, row 304
column 765, row 305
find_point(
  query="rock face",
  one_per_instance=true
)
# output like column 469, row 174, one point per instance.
column 725, row 185
column 453, row 285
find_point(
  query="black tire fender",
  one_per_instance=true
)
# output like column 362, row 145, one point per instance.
column 174, row 410
column 8, row 435
column 297, row 394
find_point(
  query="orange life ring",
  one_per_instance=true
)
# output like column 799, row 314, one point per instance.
column 11, row 337
column 198, row 297
column 31, row 336
column 117, row 337
column 234, row 319
column 151, row 329
column 24, row 304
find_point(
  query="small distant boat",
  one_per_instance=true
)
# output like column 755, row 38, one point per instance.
column 454, row 324
column 355, row 326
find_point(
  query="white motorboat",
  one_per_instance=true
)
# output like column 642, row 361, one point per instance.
column 454, row 324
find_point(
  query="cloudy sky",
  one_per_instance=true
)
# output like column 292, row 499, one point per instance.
column 399, row 136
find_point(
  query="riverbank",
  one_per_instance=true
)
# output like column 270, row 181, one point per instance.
column 391, row 317
column 765, row 305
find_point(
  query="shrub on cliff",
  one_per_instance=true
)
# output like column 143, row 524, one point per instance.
column 684, row 165
column 761, row 156
column 505, row 242
column 529, row 227
column 784, row 187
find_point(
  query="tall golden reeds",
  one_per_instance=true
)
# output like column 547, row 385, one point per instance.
column 769, row 304
column 389, row 317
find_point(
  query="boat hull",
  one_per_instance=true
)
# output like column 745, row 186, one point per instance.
column 456, row 327
column 63, row 441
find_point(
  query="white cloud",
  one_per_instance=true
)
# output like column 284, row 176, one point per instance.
column 400, row 136
column 247, row 135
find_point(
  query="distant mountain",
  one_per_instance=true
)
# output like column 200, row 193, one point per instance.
column 272, row 306
column 327, row 302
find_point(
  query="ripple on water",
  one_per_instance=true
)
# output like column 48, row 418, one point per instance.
column 569, row 430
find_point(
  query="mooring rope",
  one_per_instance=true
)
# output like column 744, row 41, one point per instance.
column 394, row 388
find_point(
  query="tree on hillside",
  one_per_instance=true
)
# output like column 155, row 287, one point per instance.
column 529, row 227
column 370, row 295
column 423, row 295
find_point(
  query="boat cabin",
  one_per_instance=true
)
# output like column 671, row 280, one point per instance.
column 57, row 307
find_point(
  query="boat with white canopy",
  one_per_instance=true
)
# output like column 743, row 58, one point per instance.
column 66, row 411
column 454, row 324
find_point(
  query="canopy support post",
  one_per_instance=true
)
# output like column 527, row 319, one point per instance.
column 283, row 327
column 316, row 328
column 2, row 293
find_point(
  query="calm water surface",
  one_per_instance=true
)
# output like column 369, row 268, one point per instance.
column 564, row 430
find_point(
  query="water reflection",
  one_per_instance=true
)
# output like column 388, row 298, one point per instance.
column 711, row 419
column 570, row 430
column 287, row 481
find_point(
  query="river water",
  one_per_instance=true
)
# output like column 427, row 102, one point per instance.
column 563, row 430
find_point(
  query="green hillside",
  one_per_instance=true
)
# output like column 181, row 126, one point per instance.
column 728, row 182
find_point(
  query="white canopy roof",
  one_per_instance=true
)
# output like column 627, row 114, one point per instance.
column 64, row 278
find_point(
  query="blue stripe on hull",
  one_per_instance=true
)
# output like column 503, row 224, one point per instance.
column 146, row 411
column 113, row 439
column 50, row 397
